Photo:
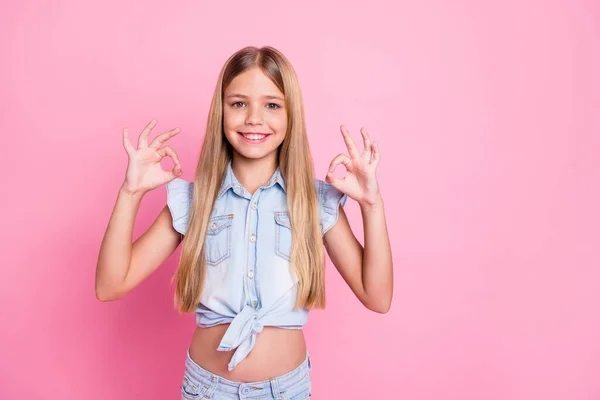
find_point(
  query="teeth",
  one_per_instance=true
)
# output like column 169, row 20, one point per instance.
column 253, row 136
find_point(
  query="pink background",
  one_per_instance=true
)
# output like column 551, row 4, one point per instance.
column 487, row 119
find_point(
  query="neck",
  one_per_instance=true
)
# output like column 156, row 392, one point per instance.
column 252, row 173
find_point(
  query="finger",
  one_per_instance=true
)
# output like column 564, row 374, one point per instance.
column 176, row 170
column 143, row 140
column 330, row 177
column 340, row 159
column 349, row 142
column 334, row 181
column 163, row 137
column 126, row 143
column 376, row 155
column 367, row 144
column 173, row 173
column 168, row 151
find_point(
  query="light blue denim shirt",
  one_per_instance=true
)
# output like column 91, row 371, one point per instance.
column 248, row 245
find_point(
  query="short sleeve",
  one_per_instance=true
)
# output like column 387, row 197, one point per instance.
column 329, row 201
column 179, row 198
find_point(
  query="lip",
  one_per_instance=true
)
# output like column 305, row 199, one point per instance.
column 254, row 141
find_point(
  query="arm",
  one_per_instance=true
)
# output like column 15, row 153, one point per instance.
column 122, row 265
column 369, row 270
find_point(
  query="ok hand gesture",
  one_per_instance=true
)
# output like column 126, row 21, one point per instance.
column 144, row 171
column 360, row 182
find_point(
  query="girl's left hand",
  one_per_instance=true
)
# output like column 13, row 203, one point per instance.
column 360, row 182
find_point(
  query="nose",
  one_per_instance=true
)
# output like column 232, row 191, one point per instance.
column 254, row 116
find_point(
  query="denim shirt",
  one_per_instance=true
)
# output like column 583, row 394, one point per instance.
column 248, row 245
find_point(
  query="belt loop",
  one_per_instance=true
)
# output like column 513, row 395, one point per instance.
column 275, row 388
column 309, row 361
column 213, row 386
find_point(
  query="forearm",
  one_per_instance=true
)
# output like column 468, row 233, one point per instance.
column 377, row 271
column 115, row 251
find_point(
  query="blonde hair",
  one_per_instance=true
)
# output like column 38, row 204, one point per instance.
column 295, row 162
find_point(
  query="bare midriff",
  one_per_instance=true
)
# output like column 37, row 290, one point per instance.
column 276, row 352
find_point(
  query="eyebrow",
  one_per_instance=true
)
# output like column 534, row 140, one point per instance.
column 245, row 97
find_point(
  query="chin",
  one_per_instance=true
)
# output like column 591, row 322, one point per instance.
column 254, row 155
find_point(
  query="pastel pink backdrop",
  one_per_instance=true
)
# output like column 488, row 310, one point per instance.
column 487, row 118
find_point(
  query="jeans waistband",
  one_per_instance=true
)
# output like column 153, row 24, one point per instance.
column 247, row 389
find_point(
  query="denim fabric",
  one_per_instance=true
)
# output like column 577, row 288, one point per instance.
column 248, row 246
column 199, row 383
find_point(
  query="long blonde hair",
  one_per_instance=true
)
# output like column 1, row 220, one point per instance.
column 296, row 165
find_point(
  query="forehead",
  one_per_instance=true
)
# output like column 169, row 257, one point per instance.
column 253, row 82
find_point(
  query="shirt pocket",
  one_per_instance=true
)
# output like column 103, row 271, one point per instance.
column 283, row 235
column 218, row 239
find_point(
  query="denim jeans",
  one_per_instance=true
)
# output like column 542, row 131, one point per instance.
column 201, row 384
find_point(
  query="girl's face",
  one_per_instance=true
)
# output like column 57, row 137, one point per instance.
column 254, row 114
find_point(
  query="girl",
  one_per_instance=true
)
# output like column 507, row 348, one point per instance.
column 253, row 226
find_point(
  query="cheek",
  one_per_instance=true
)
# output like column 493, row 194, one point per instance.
column 229, row 119
column 280, row 123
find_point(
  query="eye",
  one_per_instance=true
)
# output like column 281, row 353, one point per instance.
column 273, row 104
column 237, row 102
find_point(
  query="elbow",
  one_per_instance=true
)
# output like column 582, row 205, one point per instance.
column 108, row 289
column 380, row 307
column 104, row 294
column 104, row 297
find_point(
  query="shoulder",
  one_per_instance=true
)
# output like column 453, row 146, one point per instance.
column 179, row 198
column 329, row 196
column 179, row 185
column 329, row 201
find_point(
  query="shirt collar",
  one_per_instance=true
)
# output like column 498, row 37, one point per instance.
column 230, row 181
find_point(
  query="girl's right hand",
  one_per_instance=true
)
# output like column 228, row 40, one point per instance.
column 144, row 171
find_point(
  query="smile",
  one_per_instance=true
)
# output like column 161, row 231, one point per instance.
column 254, row 137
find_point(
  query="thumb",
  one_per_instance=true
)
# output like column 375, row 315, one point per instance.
column 176, row 172
column 334, row 180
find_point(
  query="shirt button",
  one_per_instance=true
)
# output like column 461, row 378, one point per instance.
column 252, row 238
column 250, row 274
column 254, row 206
